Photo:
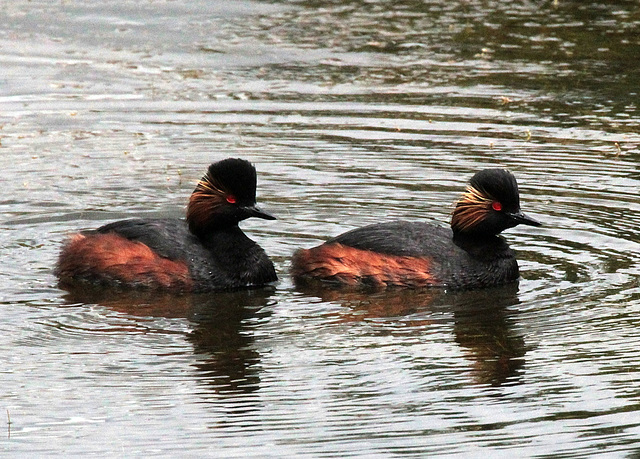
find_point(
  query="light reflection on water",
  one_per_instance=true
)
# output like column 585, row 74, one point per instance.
column 353, row 113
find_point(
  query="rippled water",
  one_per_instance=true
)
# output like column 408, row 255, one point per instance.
column 353, row 112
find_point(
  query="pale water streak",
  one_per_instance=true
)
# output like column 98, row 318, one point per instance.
column 353, row 112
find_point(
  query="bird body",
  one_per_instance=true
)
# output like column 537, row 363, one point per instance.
column 415, row 254
column 207, row 251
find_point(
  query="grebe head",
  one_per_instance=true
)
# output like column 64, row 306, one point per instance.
column 490, row 205
column 225, row 196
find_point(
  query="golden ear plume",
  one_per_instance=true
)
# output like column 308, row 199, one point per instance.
column 470, row 210
column 204, row 200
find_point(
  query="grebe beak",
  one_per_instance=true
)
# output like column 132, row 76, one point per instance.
column 521, row 219
column 254, row 211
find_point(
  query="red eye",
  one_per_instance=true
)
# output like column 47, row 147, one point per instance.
column 496, row 206
column 231, row 199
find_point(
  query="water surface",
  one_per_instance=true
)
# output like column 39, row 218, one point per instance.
column 353, row 112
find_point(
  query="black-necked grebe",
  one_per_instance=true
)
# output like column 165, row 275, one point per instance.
column 413, row 254
column 207, row 251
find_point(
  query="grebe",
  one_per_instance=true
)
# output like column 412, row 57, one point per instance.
column 207, row 251
column 413, row 254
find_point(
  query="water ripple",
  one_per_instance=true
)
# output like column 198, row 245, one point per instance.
column 353, row 113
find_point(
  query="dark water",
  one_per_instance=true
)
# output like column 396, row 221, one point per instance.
column 353, row 112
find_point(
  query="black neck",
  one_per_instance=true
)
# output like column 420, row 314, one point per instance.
column 482, row 246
